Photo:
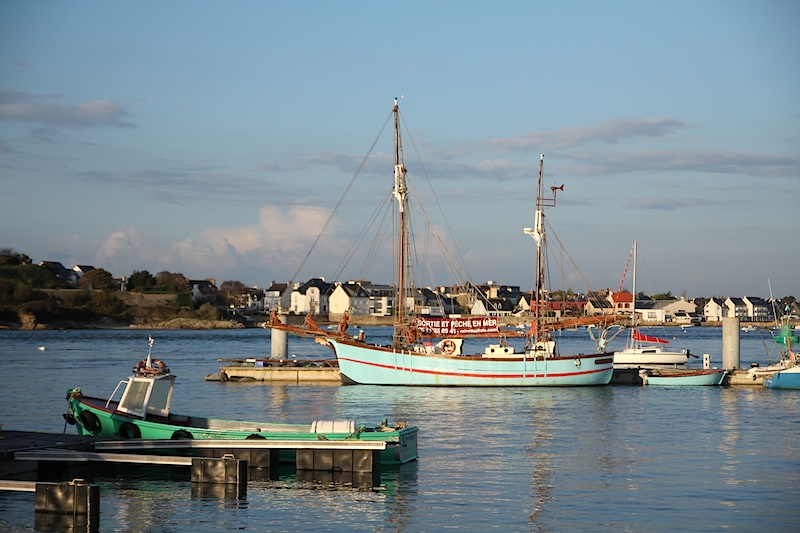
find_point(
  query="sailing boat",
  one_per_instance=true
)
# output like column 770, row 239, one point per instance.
column 410, row 360
column 645, row 349
column 788, row 361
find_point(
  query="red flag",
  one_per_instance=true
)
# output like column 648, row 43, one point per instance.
column 646, row 338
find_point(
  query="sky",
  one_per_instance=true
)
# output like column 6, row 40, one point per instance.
column 215, row 138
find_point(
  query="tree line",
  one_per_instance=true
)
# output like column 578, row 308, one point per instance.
column 30, row 292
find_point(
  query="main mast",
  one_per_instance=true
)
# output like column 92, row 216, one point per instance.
column 400, row 193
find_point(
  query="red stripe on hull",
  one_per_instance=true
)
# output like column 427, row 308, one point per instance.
column 475, row 375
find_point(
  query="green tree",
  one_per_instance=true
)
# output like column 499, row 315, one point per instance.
column 169, row 282
column 700, row 303
column 12, row 257
column 141, row 281
column 208, row 311
column 664, row 296
column 107, row 305
column 98, row 279
column 231, row 292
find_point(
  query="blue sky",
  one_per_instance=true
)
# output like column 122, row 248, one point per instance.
column 214, row 138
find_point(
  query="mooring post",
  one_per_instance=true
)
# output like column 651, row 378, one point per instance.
column 280, row 339
column 74, row 497
column 730, row 344
column 225, row 470
column 256, row 457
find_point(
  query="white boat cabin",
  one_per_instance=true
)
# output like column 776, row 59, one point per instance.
column 146, row 395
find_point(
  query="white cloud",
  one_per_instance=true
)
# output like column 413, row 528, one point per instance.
column 24, row 107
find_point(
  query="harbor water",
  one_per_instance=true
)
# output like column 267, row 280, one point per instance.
column 615, row 458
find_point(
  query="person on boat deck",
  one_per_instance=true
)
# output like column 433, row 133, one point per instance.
column 309, row 323
column 343, row 323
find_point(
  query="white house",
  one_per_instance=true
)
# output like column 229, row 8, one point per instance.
column 311, row 297
column 381, row 299
column 349, row 297
column 736, row 308
column 715, row 310
column 272, row 296
column 78, row 271
column 493, row 307
column 679, row 311
column 757, row 309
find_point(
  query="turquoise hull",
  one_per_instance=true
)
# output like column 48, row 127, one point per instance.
column 687, row 379
column 93, row 418
column 785, row 379
column 374, row 365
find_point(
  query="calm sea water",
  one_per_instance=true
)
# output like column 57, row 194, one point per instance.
column 617, row 458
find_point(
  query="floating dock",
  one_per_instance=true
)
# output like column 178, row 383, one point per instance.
column 217, row 467
column 330, row 375
column 278, row 370
column 23, row 451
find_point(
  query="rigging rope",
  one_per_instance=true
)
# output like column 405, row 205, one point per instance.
column 341, row 199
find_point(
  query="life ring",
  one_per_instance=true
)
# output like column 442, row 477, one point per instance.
column 448, row 346
column 182, row 434
column 129, row 431
column 90, row 422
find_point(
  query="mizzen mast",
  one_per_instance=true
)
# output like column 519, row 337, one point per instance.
column 538, row 234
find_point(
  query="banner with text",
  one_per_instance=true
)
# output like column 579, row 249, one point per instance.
column 456, row 327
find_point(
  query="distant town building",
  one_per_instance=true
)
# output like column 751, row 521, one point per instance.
column 715, row 310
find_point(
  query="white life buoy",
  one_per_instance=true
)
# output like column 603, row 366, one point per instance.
column 448, row 346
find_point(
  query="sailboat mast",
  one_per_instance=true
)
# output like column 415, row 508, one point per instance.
column 633, row 302
column 537, row 232
column 400, row 193
column 539, row 237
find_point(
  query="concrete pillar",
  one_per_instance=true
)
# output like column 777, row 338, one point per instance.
column 68, row 497
column 280, row 340
column 730, row 343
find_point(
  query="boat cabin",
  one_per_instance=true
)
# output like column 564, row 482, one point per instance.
column 146, row 395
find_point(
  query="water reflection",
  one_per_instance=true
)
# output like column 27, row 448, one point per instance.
column 57, row 523
column 610, row 458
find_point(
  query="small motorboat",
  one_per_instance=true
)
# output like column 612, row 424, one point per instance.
column 143, row 412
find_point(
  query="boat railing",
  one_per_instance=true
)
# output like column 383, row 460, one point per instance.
column 111, row 398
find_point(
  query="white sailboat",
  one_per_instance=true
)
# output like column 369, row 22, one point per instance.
column 644, row 349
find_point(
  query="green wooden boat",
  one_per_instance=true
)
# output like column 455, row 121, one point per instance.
column 143, row 412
